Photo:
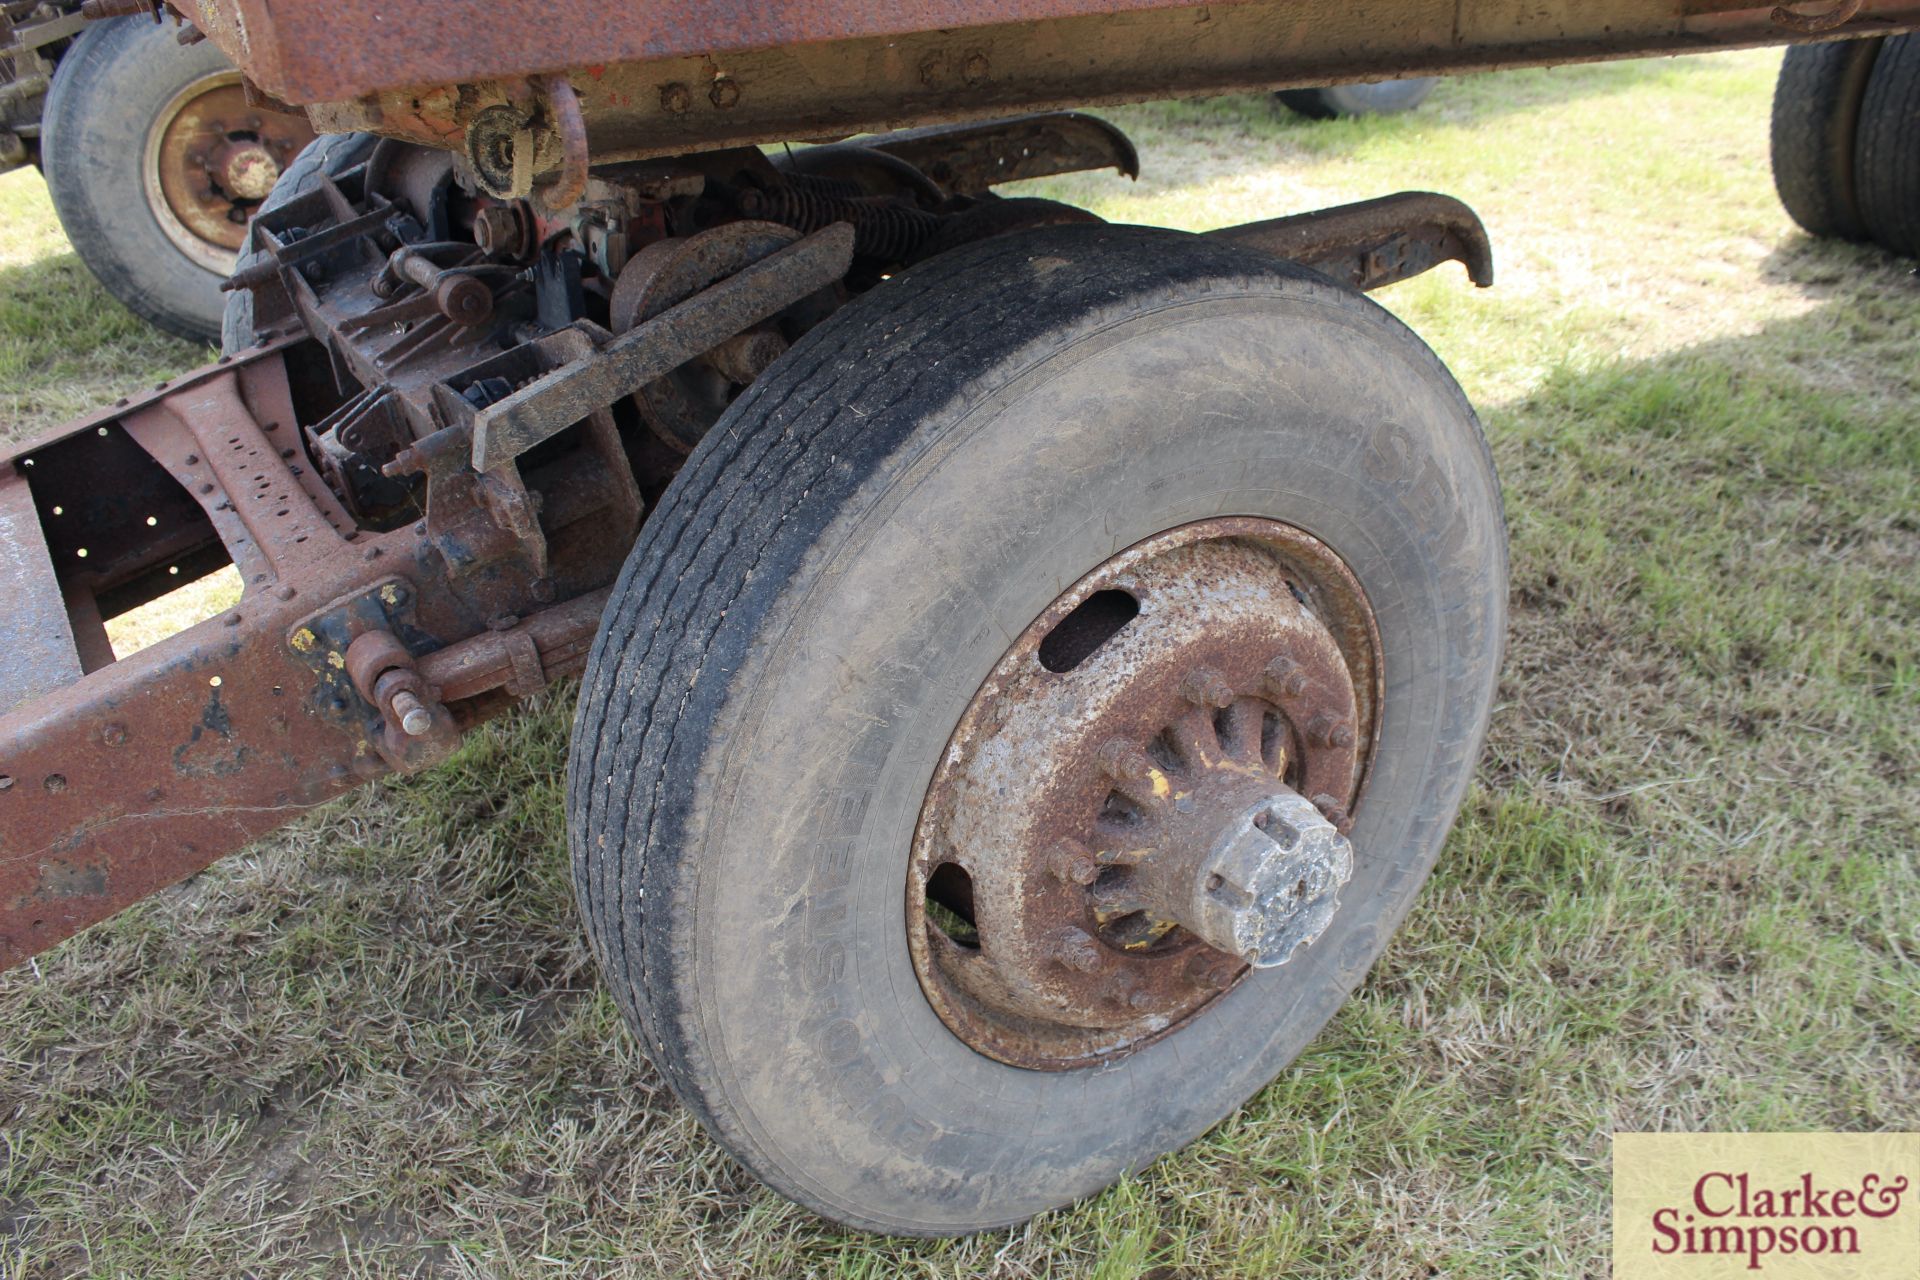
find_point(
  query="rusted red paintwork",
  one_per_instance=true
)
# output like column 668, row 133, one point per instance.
column 150, row 768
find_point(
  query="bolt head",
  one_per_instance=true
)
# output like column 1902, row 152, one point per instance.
column 1207, row 688
column 418, row 722
column 1077, row 950
column 1073, row 863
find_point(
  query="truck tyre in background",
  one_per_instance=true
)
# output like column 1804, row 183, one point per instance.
column 1886, row 153
column 878, row 543
column 155, row 162
column 329, row 155
column 1816, row 112
column 1388, row 97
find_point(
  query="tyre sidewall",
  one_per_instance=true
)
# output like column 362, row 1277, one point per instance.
column 1316, row 408
column 110, row 88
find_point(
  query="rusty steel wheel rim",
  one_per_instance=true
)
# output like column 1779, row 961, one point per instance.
column 1149, row 795
column 210, row 160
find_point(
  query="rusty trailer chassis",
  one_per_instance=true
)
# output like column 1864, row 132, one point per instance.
column 481, row 352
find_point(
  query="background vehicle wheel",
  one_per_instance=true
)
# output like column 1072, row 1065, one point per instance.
column 1388, row 97
column 155, row 163
column 1886, row 152
column 329, row 155
column 1816, row 109
column 953, row 479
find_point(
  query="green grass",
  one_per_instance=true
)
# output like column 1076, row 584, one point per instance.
column 1682, row 894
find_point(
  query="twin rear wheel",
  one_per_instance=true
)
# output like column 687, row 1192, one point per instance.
column 1846, row 140
column 1028, row 715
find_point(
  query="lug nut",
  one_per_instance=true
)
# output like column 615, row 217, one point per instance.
column 1073, row 863
column 1207, row 688
column 1076, row 950
column 1331, row 809
column 1285, row 678
column 1329, row 732
column 1124, row 762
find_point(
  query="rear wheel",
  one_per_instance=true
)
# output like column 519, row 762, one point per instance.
column 1028, row 715
column 1887, row 148
column 1816, row 110
column 1388, row 97
column 155, row 163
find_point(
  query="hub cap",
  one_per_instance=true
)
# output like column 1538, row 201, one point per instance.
column 1149, row 795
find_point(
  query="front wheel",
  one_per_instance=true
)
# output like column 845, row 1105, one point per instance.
column 1030, row 713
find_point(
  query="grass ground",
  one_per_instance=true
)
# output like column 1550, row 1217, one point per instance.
column 1682, row 895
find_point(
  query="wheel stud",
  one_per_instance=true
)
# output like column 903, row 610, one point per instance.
column 1326, row 731
column 1077, row 950
column 1332, row 810
column 1124, row 762
column 1285, row 678
column 1207, row 688
column 1073, row 863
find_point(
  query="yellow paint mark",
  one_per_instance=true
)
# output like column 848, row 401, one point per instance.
column 303, row 639
column 390, row 593
column 1162, row 789
column 335, row 660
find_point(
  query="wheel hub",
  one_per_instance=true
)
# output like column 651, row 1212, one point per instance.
column 211, row 159
column 1148, row 796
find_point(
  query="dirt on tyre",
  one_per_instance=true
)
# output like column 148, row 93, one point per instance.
column 1887, row 148
column 1098, row 530
column 155, row 162
column 1816, row 112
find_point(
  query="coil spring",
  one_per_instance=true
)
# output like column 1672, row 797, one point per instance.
column 884, row 227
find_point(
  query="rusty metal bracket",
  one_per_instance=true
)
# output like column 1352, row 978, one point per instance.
column 969, row 158
column 1376, row 242
column 503, row 431
column 333, row 642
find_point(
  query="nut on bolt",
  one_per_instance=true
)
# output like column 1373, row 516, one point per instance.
column 1206, row 687
column 1285, row 678
column 1074, row 863
column 1077, row 950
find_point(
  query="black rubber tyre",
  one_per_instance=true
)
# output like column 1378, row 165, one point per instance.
column 827, row 582
column 1887, row 148
column 1816, row 108
column 1388, row 97
column 330, row 154
column 109, row 89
